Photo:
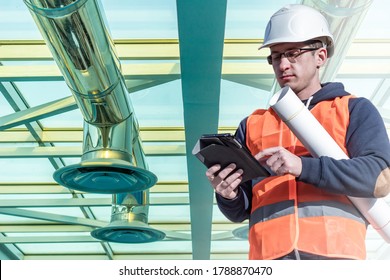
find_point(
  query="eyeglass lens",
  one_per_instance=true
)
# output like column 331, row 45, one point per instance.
column 291, row 55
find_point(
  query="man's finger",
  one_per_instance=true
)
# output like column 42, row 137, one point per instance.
column 267, row 152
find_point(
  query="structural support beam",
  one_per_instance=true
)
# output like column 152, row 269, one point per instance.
column 60, row 202
column 9, row 252
column 46, row 239
column 76, row 151
column 30, row 73
column 72, row 135
column 36, row 113
column 152, row 49
column 80, row 202
column 137, row 85
column 160, row 50
column 54, row 188
column 52, row 217
column 201, row 38
column 161, row 73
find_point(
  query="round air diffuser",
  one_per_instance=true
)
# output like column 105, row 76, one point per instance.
column 105, row 176
column 241, row 232
column 128, row 232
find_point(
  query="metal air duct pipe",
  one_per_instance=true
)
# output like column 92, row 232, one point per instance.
column 129, row 214
column 129, row 221
column 75, row 32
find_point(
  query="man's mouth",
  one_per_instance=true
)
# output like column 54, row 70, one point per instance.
column 286, row 77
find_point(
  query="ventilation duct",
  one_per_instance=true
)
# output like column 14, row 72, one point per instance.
column 241, row 232
column 75, row 32
column 129, row 214
column 129, row 221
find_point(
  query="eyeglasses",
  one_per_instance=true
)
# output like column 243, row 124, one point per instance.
column 291, row 55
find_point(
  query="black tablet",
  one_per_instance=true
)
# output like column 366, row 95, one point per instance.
column 224, row 149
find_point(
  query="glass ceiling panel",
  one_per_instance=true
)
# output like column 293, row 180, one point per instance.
column 376, row 23
column 236, row 247
column 169, row 213
column 181, row 247
column 360, row 87
column 102, row 213
column 168, row 168
column 157, row 19
column 5, row 108
column 139, row 19
column 159, row 106
column 237, row 101
column 248, row 19
column 20, row 170
column 37, row 93
column 16, row 22
column 61, row 248
column 71, row 119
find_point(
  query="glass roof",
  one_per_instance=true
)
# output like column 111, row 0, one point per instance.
column 41, row 127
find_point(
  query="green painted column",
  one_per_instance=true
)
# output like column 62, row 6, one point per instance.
column 201, row 38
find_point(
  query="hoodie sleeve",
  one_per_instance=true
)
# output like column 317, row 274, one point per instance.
column 237, row 209
column 368, row 147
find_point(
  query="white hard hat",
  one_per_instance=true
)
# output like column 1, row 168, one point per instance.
column 298, row 23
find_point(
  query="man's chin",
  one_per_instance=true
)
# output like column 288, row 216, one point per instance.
column 284, row 84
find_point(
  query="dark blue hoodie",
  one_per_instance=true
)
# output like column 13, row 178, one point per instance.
column 368, row 148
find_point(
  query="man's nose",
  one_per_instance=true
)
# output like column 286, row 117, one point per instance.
column 284, row 63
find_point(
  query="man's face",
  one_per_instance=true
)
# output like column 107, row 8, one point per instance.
column 296, row 65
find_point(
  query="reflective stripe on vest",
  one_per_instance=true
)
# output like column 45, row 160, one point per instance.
column 306, row 209
column 288, row 214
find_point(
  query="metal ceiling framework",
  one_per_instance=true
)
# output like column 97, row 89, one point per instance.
column 28, row 219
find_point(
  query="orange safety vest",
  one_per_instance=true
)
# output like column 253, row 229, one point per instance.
column 288, row 214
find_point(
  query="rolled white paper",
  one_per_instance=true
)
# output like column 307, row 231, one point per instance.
column 319, row 143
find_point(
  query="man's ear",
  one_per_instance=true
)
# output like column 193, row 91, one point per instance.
column 322, row 57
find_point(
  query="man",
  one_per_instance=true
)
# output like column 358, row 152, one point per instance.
column 302, row 211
